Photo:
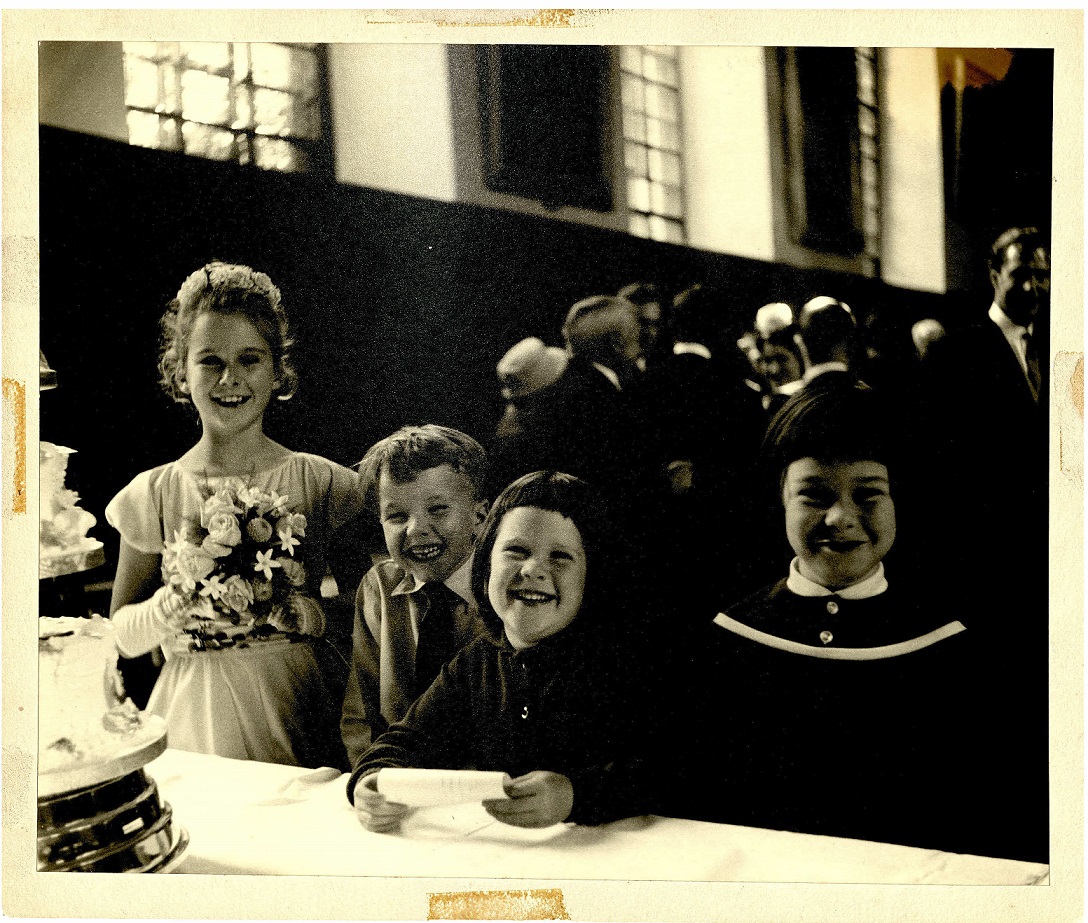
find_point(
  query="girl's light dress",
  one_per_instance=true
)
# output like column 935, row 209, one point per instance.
column 263, row 701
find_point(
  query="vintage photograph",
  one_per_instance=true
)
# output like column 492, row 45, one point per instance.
column 547, row 458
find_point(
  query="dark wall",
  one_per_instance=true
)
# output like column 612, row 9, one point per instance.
column 401, row 306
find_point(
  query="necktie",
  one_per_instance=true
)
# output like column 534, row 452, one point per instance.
column 436, row 634
column 1031, row 360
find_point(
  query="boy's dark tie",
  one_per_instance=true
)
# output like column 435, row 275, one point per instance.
column 1031, row 360
column 436, row 634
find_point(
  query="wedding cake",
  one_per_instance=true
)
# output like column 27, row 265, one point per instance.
column 63, row 544
column 97, row 810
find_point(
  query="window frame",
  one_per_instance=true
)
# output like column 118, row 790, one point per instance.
column 627, row 137
column 317, row 153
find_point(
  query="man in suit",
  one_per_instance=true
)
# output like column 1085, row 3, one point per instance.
column 827, row 338
column 994, row 371
column 986, row 406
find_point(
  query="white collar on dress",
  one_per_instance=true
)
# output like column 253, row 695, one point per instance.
column 873, row 585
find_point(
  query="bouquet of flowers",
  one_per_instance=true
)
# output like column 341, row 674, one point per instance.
column 239, row 569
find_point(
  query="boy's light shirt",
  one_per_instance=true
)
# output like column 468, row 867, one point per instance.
column 460, row 581
column 873, row 585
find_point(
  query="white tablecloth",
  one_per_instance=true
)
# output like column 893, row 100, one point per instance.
column 260, row 818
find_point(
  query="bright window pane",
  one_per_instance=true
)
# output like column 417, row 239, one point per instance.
column 272, row 112
column 271, row 65
column 206, row 141
column 633, row 94
column 659, row 228
column 276, row 154
column 634, row 159
column 666, row 200
column 651, row 115
column 667, row 73
column 650, row 66
column 664, row 167
column 141, row 83
column 639, row 225
column 205, row 98
column 674, row 232
column 669, row 133
column 220, row 94
column 634, row 125
column 206, row 55
column 143, row 129
column 638, row 194
column 653, row 132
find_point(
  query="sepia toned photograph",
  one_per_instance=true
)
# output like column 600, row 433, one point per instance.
column 543, row 465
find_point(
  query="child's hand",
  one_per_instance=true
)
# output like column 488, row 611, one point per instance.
column 375, row 813
column 537, row 799
column 171, row 606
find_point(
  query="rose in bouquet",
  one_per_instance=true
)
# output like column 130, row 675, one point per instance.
column 240, row 568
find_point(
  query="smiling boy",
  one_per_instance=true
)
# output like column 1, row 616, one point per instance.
column 414, row 611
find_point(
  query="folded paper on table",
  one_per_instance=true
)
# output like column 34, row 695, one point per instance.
column 427, row 787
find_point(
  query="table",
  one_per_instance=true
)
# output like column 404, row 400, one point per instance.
column 252, row 818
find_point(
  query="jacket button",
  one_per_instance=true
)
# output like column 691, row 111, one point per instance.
column 826, row 636
column 833, row 607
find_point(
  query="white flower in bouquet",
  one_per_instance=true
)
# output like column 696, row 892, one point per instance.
column 192, row 563
column 238, row 565
column 237, row 594
column 223, row 528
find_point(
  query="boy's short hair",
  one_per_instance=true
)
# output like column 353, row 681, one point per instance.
column 833, row 418
column 411, row 450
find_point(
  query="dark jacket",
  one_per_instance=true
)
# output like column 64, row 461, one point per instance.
column 572, row 704
column 919, row 748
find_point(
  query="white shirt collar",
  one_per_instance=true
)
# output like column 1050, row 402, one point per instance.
column 460, row 581
column 873, row 585
column 822, row 367
column 1008, row 326
column 694, row 349
column 609, row 374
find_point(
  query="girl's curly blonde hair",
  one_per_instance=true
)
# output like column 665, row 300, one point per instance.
column 225, row 288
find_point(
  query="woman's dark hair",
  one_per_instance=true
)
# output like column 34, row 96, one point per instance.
column 833, row 418
column 561, row 493
column 225, row 288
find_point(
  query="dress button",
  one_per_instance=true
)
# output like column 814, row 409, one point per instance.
column 833, row 607
column 826, row 637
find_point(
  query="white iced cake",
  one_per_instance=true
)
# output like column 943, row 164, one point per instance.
column 63, row 544
column 87, row 729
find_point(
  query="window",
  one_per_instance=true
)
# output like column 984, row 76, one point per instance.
column 869, row 132
column 650, row 89
column 831, row 150
column 251, row 103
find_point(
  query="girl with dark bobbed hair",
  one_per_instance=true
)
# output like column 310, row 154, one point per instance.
column 862, row 704
column 549, row 696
